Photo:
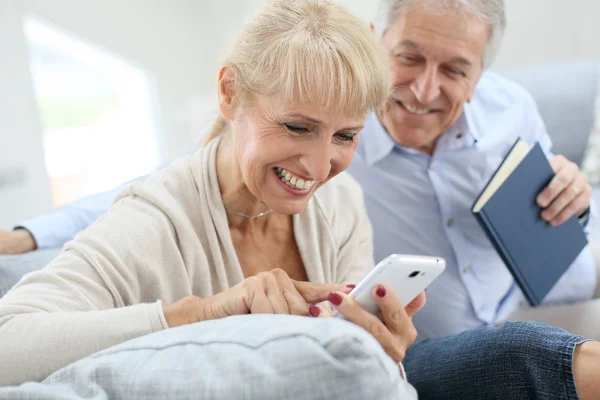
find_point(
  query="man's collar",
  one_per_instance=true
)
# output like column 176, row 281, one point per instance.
column 379, row 143
column 466, row 123
column 460, row 134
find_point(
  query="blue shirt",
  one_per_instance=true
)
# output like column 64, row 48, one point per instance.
column 54, row 229
column 421, row 204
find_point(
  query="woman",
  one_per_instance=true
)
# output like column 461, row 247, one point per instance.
column 242, row 224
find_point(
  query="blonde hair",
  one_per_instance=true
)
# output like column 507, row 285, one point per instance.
column 309, row 51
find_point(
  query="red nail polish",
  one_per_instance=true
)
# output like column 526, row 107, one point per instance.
column 351, row 286
column 314, row 311
column 380, row 291
column 335, row 298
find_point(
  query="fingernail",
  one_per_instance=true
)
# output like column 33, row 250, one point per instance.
column 314, row 311
column 351, row 286
column 380, row 291
column 541, row 201
column 335, row 298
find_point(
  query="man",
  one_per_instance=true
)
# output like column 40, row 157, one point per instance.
column 422, row 161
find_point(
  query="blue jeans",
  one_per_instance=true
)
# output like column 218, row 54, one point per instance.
column 523, row 360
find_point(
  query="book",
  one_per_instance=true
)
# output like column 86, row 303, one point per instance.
column 536, row 253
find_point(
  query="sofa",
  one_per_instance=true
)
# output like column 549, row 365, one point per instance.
column 566, row 97
column 565, row 93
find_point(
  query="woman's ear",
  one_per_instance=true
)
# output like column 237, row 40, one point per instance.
column 227, row 91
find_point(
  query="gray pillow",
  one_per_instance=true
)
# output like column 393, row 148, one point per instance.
column 13, row 268
column 244, row 357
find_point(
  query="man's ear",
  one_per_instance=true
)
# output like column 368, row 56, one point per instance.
column 227, row 93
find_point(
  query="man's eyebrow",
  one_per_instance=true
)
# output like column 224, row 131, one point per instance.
column 416, row 46
column 408, row 43
column 461, row 61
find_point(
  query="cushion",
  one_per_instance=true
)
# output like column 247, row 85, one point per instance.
column 13, row 268
column 242, row 357
column 565, row 94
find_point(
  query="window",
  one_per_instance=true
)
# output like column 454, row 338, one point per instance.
column 98, row 113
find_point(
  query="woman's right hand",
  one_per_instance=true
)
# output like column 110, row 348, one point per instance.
column 269, row 292
column 395, row 331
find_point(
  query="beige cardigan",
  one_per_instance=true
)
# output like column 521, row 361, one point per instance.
column 162, row 240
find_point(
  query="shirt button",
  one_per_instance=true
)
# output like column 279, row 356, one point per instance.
column 459, row 136
column 432, row 167
column 450, row 223
column 466, row 270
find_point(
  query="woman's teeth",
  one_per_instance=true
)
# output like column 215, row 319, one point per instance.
column 293, row 181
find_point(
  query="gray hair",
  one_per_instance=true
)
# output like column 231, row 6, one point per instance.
column 491, row 12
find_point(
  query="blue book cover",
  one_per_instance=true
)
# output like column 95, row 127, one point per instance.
column 536, row 253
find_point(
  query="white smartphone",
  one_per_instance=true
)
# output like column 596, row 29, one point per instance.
column 407, row 275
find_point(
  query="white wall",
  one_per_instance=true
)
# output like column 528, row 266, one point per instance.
column 170, row 39
column 24, row 185
column 588, row 14
column 550, row 30
column 538, row 30
column 362, row 8
column 179, row 42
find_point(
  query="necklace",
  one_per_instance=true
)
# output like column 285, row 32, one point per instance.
column 261, row 214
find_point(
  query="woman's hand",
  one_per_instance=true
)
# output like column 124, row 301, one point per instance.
column 270, row 292
column 396, row 333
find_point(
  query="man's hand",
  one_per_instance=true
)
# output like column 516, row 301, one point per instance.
column 16, row 242
column 569, row 193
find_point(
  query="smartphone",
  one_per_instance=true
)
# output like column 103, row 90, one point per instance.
column 407, row 275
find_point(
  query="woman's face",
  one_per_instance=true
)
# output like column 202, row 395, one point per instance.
column 286, row 151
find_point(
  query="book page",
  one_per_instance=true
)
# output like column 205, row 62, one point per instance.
column 511, row 162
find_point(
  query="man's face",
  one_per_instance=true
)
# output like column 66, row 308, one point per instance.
column 435, row 62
